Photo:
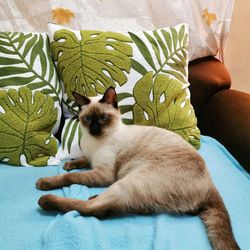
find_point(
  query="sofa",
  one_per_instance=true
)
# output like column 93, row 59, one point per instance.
column 223, row 119
column 222, row 115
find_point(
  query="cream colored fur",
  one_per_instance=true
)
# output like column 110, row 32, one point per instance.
column 148, row 170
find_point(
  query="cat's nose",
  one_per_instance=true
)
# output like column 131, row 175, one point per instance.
column 95, row 129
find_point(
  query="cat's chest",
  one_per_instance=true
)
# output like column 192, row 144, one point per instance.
column 105, row 156
column 99, row 153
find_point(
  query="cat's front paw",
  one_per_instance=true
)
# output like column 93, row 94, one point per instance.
column 79, row 163
column 44, row 184
column 69, row 166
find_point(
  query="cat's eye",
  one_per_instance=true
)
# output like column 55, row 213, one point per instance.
column 87, row 118
column 104, row 117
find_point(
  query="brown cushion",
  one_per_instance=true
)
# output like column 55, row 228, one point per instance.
column 206, row 76
column 226, row 117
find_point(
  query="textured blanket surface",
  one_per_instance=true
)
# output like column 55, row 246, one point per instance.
column 23, row 225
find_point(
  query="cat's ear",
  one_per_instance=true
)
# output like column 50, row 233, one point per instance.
column 80, row 99
column 110, row 97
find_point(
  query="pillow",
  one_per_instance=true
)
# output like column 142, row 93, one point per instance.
column 26, row 63
column 147, row 68
column 26, row 121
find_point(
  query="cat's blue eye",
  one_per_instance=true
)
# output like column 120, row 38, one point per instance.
column 87, row 118
column 104, row 117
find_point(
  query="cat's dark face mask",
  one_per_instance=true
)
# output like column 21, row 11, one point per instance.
column 101, row 116
column 96, row 122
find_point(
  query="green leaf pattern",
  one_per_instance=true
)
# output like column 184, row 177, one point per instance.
column 71, row 129
column 162, row 102
column 26, row 121
column 26, row 65
column 147, row 68
column 92, row 64
column 25, row 59
column 168, row 54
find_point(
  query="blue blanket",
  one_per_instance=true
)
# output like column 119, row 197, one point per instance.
column 23, row 225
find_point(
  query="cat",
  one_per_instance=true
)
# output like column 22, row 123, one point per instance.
column 148, row 170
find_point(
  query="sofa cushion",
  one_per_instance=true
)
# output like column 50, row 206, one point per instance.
column 26, row 120
column 53, row 230
column 148, row 70
column 28, row 81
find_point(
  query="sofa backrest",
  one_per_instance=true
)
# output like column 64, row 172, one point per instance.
column 207, row 76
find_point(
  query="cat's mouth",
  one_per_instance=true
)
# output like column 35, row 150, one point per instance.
column 96, row 131
column 96, row 134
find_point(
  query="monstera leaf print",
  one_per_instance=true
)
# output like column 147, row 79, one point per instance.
column 168, row 54
column 71, row 128
column 93, row 63
column 25, row 60
column 26, row 122
column 163, row 102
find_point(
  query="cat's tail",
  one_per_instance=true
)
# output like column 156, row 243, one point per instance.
column 217, row 222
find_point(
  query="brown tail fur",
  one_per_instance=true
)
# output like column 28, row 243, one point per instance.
column 217, row 222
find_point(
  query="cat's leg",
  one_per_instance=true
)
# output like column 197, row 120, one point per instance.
column 98, row 177
column 82, row 162
column 118, row 199
column 124, row 196
column 112, row 201
column 51, row 202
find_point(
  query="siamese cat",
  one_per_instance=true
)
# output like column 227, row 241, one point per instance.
column 148, row 170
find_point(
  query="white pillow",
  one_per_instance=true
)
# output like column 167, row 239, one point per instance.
column 149, row 70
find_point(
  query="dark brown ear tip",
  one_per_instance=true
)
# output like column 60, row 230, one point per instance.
column 110, row 97
column 110, row 88
column 80, row 99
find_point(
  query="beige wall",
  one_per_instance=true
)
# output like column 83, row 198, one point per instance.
column 237, row 55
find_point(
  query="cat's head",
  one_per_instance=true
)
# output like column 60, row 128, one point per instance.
column 99, row 116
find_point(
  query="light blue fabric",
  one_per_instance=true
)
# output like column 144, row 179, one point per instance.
column 24, row 226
